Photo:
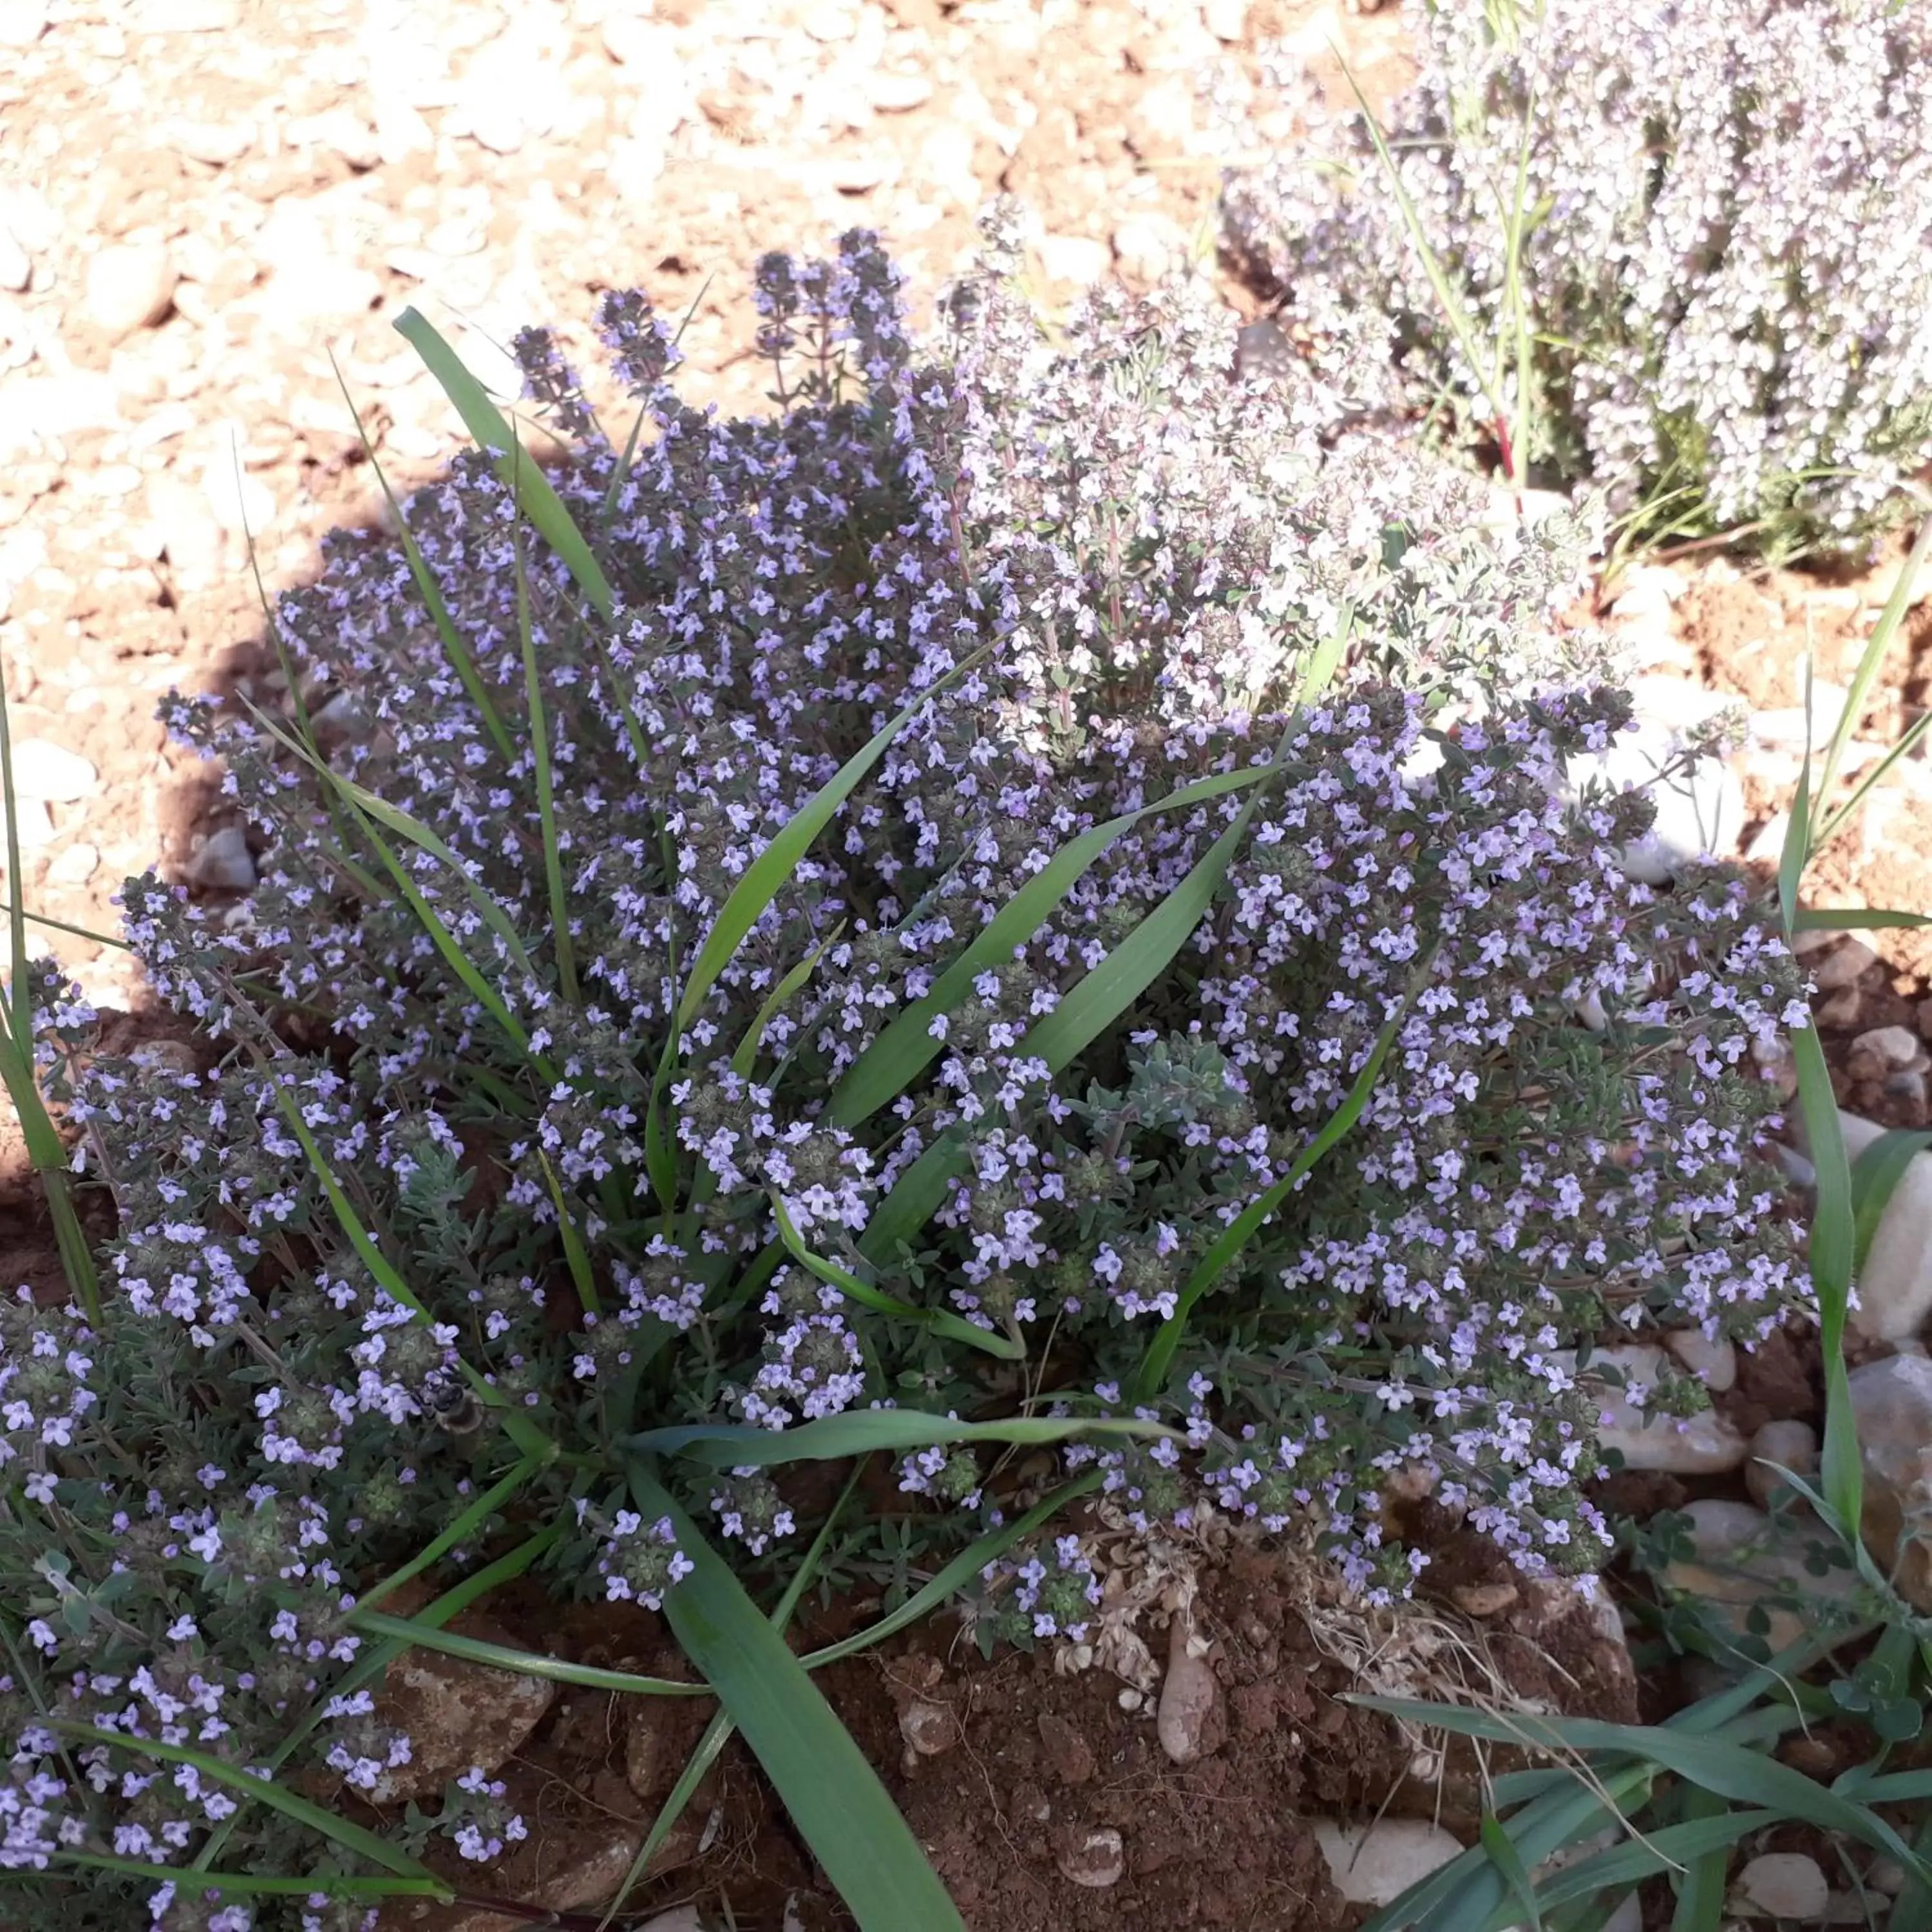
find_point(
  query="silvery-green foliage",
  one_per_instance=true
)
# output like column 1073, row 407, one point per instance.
column 1728, row 255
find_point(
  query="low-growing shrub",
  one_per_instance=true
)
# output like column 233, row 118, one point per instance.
column 1723, row 217
column 1265, row 1117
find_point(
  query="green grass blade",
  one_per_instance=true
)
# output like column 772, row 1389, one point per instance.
column 1795, row 854
column 531, row 487
column 1469, row 338
column 765, row 877
column 8, row 908
column 343, row 1831
column 936, row 1320
column 1085, row 1012
column 1875, row 1176
column 906, row 1046
column 724, row 1445
column 576, row 1255
column 472, row 1519
column 533, row 702
column 1856, row 919
column 1101, row 996
column 1909, row 741
column 1700, row 1898
column 1503, row 1854
column 1871, row 659
column 1240, row 1231
column 746, row 1057
column 406, row 1632
column 833, row 1796
column 1459, row 1897
column 718, row 1732
column 1745, row 1776
column 366, row 807
column 254, row 1885
column 964, row 1570
column 460, row 662
column 1834, row 1247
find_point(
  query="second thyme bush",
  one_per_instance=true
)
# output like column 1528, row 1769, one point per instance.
column 1724, row 215
column 261, row 1432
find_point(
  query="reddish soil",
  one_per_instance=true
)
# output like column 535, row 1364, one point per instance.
column 1027, row 1762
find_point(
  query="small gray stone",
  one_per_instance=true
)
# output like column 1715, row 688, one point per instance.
column 1703, row 1444
column 1784, row 1885
column 1841, row 1011
column 1895, row 1284
column 223, row 863
column 1844, row 965
column 1892, row 1403
column 1884, row 1050
column 1184, row 1721
column 1263, row 351
column 1714, row 1363
column 1375, row 1864
column 1789, row 1445
column 927, row 1728
column 1093, row 1859
column 52, row 773
column 1227, row 20
column 128, row 285
column 898, row 93
column 76, row 865
column 1076, row 259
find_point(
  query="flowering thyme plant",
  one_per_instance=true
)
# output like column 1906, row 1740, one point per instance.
column 578, row 1141
column 1721, row 213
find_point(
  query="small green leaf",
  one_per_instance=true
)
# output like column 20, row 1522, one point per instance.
column 1508, row 1861
column 722, row 1445
column 534, row 495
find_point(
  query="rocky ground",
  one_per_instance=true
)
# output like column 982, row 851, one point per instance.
column 209, row 208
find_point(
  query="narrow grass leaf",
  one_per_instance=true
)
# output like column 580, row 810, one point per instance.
column 459, row 1532
column 724, row 1445
column 746, row 1057
column 532, row 488
column 1730, row 1770
column 255, row 1884
column 833, row 1794
column 576, row 1256
column 343, row 1831
column 454, row 648
column 539, row 726
column 765, row 877
column 905, row 1047
column 1084, row 1012
column 1700, row 1896
column 1834, row 1247
column 718, row 1732
column 1870, row 661
column 1502, row 1852
column 1875, row 1176
column 1469, row 337
column 1856, row 919
column 937, row 1321
column 410, row 1635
